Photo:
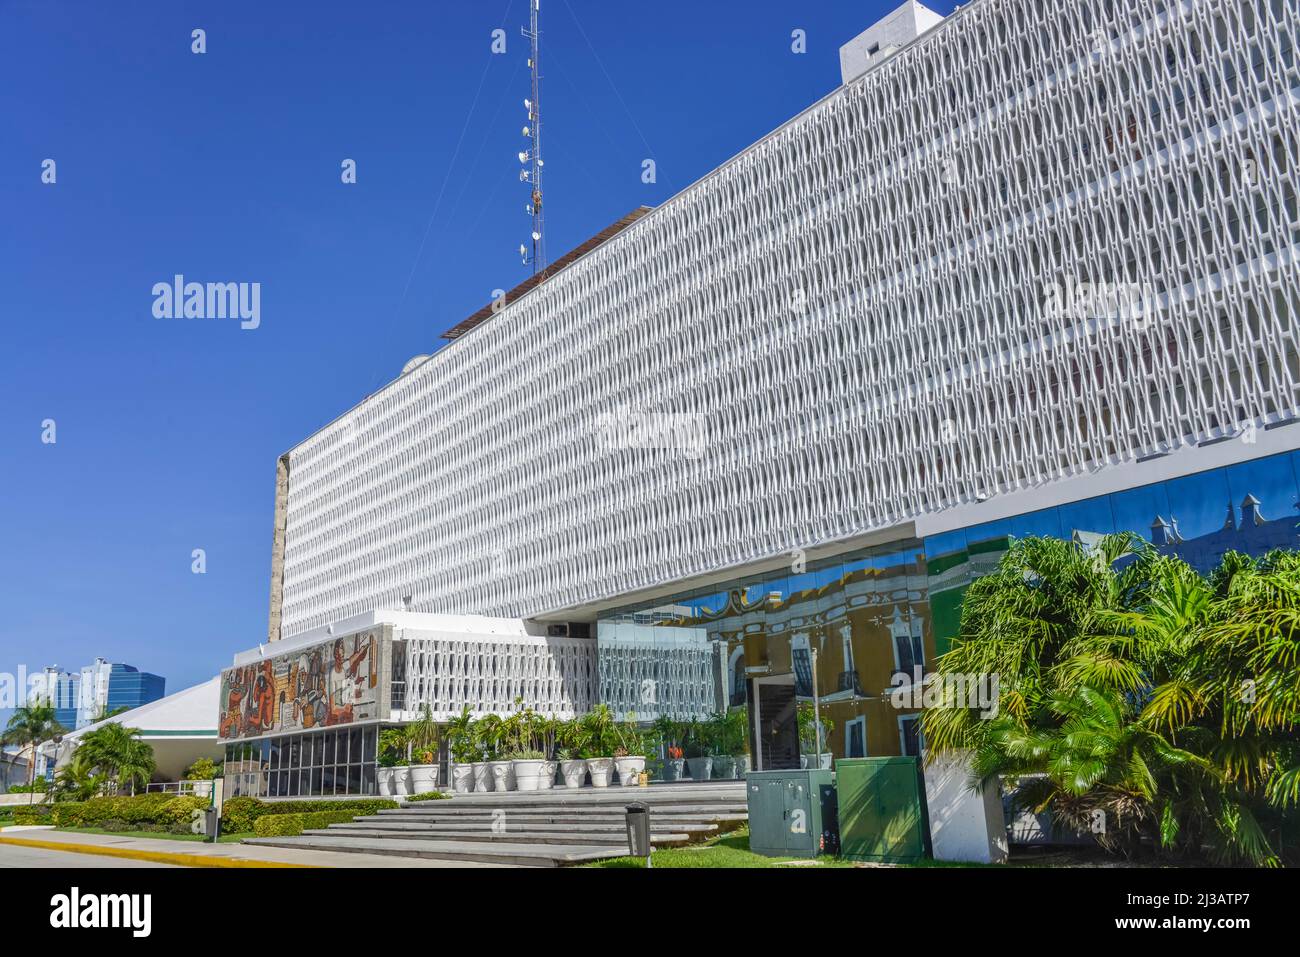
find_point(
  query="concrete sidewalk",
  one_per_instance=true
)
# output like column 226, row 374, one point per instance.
column 196, row 854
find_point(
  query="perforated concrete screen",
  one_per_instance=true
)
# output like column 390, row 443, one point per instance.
column 1049, row 236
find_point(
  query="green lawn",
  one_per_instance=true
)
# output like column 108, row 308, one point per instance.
column 160, row 835
column 729, row 850
column 732, row 850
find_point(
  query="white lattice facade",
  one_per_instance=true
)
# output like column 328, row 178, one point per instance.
column 857, row 310
column 553, row 676
column 660, row 671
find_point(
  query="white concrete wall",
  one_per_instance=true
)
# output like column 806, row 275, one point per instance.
column 964, row 825
column 884, row 37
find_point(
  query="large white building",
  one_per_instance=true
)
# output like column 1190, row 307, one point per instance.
column 1031, row 269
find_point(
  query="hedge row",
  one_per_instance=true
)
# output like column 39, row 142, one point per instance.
column 240, row 814
column 144, row 812
column 32, row 814
column 291, row 825
column 429, row 796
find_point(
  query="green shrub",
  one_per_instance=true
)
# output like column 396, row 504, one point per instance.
column 144, row 812
column 28, row 814
column 239, row 814
column 180, row 811
column 67, row 814
column 291, row 825
column 39, row 786
column 204, row 769
column 429, row 796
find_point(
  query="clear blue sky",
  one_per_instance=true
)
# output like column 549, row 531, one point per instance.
column 226, row 167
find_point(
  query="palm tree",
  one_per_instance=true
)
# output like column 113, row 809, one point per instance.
column 1131, row 685
column 460, row 738
column 118, row 753
column 78, row 781
column 1096, row 769
column 29, row 726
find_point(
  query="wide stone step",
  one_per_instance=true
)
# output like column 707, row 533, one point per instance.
column 486, row 812
column 601, row 807
column 585, row 837
column 526, row 855
column 592, row 796
column 510, row 824
column 613, row 820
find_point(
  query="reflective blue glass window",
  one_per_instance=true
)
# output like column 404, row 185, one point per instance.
column 1044, row 523
column 1198, row 504
column 988, row 532
column 1091, row 516
column 1264, row 494
column 1136, row 510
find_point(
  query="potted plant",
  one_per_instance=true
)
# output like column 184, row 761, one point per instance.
column 601, row 742
column 670, row 733
column 527, row 759
column 699, row 763
column 200, row 776
column 738, row 740
column 629, row 759
column 807, row 722
column 487, row 732
column 422, row 744
column 724, row 765
column 461, row 744
column 546, row 731
column 572, row 738
column 392, row 775
column 501, row 736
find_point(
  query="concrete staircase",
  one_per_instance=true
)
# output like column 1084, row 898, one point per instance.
column 538, row 829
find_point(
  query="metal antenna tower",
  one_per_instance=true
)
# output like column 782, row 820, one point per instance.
column 534, row 255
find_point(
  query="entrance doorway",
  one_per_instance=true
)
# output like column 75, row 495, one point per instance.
column 776, row 724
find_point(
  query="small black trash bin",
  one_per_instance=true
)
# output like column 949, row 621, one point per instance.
column 638, row 831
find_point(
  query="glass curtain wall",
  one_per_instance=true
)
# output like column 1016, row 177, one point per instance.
column 878, row 619
column 321, row 764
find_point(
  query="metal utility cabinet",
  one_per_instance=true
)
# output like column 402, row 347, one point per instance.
column 788, row 810
column 881, row 809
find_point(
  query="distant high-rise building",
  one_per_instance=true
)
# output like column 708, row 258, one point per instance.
column 79, row 698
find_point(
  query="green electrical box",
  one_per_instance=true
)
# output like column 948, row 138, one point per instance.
column 787, row 810
column 881, row 809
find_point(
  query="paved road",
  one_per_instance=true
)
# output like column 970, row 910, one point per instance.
column 245, row 852
column 11, row 856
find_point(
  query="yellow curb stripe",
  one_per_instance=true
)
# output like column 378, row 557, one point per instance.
column 157, row 857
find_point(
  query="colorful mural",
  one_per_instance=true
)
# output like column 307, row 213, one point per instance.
column 333, row 683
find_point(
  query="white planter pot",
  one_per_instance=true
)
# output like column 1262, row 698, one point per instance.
column 600, row 769
column 547, row 781
column 575, row 773
column 724, row 766
column 424, row 778
column 814, row 761
column 743, row 766
column 699, row 769
column 482, row 776
column 503, row 775
column 528, row 773
column 384, row 777
column 462, row 778
column 629, row 769
column 201, row 789
column 401, row 782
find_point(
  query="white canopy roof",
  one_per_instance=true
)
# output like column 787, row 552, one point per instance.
column 191, row 713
